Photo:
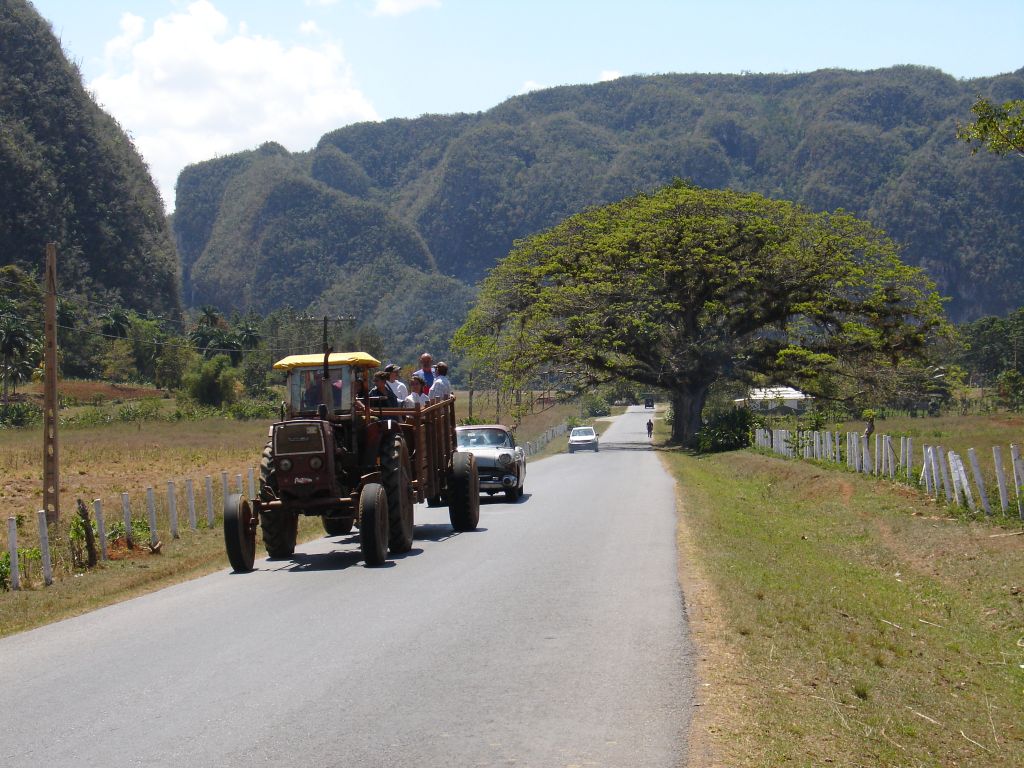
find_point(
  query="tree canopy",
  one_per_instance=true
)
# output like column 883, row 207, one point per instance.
column 998, row 127
column 681, row 288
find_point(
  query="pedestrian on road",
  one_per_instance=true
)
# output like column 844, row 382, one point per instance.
column 650, row 429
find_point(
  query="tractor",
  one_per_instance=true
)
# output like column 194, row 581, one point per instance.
column 351, row 463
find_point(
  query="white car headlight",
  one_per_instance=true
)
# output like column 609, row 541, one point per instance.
column 505, row 459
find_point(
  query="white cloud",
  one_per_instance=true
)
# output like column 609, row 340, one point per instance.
column 402, row 7
column 309, row 28
column 609, row 74
column 193, row 89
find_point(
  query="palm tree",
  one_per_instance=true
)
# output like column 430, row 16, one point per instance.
column 116, row 322
column 248, row 333
column 15, row 341
column 210, row 317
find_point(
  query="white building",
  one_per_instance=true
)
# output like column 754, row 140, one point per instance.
column 775, row 400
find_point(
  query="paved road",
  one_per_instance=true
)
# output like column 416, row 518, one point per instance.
column 553, row 636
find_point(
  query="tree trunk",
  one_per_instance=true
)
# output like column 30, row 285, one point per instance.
column 687, row 405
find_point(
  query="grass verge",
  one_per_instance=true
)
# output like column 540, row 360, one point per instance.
column 841, row 621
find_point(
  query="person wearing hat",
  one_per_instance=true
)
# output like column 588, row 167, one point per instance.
column 381, row 395
column 398, row 387
column 418, row 396
column 441, row 388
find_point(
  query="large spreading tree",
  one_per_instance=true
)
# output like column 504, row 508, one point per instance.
column 679, row 289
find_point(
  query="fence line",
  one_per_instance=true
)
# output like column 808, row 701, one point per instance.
column 536, row 446
column 942, row 473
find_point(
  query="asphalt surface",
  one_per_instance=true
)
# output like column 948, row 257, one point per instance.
column 555, row 635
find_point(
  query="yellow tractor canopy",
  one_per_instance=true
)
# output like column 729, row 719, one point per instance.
column 357, row 359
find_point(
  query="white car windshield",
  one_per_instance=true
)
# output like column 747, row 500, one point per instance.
column 582, row 432
column 483, row 438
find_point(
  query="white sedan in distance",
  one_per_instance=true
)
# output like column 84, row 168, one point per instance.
column 583, row 439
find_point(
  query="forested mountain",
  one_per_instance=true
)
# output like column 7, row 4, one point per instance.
column 263, row 228
column 70, row 175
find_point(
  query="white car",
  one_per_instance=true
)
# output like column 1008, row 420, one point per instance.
column 500, row 463
column 583, row 438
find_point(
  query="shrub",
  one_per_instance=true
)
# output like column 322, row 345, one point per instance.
column 21, row 414
column 212, row 382
column 594, row 405
column 726, row 431
column 5, row 572
column 252, row 409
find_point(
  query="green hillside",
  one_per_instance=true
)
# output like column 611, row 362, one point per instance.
column 70, row 175
column 455, row 191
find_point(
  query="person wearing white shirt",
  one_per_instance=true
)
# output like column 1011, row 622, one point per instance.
column 416, row 397
column 401, row 391
column 441, row 388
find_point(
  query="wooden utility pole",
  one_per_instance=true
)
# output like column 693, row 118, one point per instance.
column 51, row 455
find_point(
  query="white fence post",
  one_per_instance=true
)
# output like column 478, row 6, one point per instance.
column 958, row 491
column 151, row 507
column 12, row 549
column 101, row 526
column 910, row 459
column 965, row 483
column 224, row 487
column 209, row 501
column 1004, row 499
column 865, row 452
column 44, row 547
column 238, row 482
column 979, row 480
column 944, row 474
column 1018, row 476
column 878, row 454
column 926, row 474
column 172, row 508
column 126, row 511
column 936, row 457
column 190, row 497
column 252, row 484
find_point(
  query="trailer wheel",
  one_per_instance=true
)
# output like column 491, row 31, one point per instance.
column 239, row 532
column 464, row 492
column 280, row 530
column 373, row 523
column 395, row 468
column 335, row 526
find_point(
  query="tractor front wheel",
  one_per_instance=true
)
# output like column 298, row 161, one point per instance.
column 335, row 526
column 394, row 462
column 240, row 532
column 373, row 523
column 280, row 530
column 464, row 492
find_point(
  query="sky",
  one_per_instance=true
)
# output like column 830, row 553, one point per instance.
column 190, row 80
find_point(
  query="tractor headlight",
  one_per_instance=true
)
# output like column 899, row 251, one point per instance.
column 316, row 462
column 285, row 465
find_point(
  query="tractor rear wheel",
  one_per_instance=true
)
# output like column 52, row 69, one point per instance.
column 373, row 523
column 464, row 492
column 394, row 463
column 280, row 530
column 239, row 532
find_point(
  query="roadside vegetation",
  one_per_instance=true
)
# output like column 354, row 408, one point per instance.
column 845, row 620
